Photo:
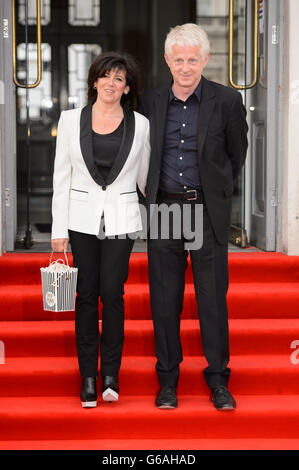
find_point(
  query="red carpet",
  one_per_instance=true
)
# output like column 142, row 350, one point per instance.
column 40, row 383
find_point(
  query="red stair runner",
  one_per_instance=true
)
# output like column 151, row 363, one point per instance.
column 40, row 382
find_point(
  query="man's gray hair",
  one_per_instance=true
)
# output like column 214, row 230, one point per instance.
column 189, row 34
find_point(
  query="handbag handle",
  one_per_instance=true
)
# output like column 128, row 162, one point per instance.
column 54, row 283
column 67, row 262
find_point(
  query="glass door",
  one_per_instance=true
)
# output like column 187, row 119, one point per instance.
column 73, row 32
column 214, row 17
column 72, row 36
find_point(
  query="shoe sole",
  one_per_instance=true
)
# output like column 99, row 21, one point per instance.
column 166, row 407
column 226, row 408
column 110, row 395
column 89, row 404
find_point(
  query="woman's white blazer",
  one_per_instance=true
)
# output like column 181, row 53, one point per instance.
column 80, row 194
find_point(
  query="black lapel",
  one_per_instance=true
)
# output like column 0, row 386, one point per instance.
column 125, row 146
column 87, row 150
column 206, row 109
column 86, row 143
column 160, row 115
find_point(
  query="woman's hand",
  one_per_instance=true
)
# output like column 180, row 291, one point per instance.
column 59, row 244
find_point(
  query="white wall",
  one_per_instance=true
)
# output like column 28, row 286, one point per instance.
column 290, row 190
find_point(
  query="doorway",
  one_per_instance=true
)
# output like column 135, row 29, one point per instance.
column 73, row 32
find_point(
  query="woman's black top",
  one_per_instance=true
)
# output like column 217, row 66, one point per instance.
column 105, row 148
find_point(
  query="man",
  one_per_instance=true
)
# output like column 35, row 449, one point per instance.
column 199, row 143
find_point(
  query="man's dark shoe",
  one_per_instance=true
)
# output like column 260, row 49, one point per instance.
column 167, row 398
column 223, row 399
column 88, row 393
column 110, row 388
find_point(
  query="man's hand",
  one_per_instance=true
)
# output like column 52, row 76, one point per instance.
column 59, row 244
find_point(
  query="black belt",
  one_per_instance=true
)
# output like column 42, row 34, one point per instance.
column 189, row 195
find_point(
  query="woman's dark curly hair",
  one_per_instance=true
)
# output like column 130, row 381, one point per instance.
column 113, row 60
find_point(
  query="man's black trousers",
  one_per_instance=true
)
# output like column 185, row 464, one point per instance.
column 102, row 271
column 167, row 264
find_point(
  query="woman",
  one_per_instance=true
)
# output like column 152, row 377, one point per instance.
column 102, row 151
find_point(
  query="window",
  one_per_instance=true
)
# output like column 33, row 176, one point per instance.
column 85, row 13
column 80, row 58
column 40, row 98
column 45, row 12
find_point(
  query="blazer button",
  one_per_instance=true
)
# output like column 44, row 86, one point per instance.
column 104, row 188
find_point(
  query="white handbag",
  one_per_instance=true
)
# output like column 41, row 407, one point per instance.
column 59, row 282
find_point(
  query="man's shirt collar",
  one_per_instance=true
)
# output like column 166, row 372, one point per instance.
column 197, row 92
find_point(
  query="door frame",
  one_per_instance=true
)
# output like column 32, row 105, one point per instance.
column 8, row 141
column 281, row 87
column 265, row 233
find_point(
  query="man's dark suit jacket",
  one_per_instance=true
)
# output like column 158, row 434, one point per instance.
column 222, row 146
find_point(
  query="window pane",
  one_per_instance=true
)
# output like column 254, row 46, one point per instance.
column 45, row 12
column 80, row 58
column 84, row 13
column 213, row 17
column 212, row 7
column 40, row 98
